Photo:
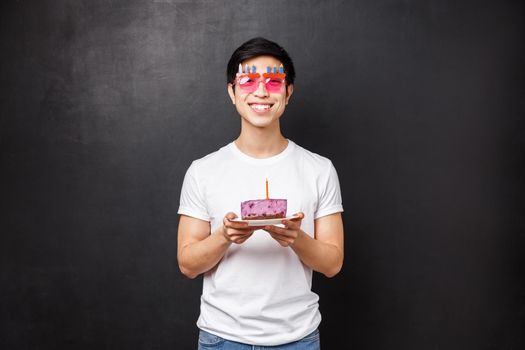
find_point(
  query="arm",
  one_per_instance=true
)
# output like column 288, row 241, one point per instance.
column 199, row 251
column 325, row 252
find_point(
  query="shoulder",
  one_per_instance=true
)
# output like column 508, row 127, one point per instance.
column 211, row 160
column 314, row 161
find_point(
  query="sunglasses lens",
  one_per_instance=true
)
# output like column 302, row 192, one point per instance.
column 249, row 83
column 274, row 85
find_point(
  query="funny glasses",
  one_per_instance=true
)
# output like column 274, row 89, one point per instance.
column 249, row 82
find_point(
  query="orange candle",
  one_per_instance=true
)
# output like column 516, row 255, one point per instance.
column 266, row 188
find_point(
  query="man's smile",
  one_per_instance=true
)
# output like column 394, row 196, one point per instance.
column 260, row 107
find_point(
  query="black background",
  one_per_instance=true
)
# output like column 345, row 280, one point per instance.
column 419, row 104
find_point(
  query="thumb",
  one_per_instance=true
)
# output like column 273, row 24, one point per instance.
column 300, row 215
column 230, row 215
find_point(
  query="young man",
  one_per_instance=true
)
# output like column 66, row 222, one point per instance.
column 257, row 279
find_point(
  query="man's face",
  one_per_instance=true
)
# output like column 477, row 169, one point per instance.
column 260, row 108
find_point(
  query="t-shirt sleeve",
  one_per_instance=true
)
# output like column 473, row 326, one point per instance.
column 192, row 202
column 330, row 200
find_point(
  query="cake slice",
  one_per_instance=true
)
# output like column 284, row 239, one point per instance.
column 258, row 209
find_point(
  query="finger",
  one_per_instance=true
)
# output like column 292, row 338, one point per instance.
column 300, row 216
column 282, row 238
column 234, row 224
column 237, row 225
column 236, row 232
column 229, row 217
column 278, row 230
column 269, row 229
column 290, row 225
column 279, row 240
column 236, row 238
column 241, row 239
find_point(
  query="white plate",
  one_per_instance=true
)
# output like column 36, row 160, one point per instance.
column 263, row 222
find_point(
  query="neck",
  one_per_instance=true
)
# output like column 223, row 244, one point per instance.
column 261, row 142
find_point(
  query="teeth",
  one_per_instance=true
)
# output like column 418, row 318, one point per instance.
column 260, row 107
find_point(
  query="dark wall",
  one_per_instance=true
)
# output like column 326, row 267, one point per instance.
column 419, row 104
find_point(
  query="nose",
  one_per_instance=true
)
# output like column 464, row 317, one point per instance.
column 261, row 91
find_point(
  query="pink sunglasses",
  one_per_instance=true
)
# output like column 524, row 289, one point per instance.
column 249, row 82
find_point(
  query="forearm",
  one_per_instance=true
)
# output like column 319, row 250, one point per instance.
column 198, row 257
column 322, row 257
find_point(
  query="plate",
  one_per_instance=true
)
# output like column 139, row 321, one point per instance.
column 263, row 222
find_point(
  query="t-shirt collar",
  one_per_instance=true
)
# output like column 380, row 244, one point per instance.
column 243, row 156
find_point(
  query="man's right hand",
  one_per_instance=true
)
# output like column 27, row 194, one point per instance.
column 237, row 232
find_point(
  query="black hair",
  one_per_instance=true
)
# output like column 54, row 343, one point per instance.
column 260, row 47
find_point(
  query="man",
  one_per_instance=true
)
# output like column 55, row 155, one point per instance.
column 257, row 279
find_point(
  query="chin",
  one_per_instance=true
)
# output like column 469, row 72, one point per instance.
column 260, row 121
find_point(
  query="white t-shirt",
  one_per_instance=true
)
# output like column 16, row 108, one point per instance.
column 260, row 292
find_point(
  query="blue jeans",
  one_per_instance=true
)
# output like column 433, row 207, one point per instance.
column 208, row 341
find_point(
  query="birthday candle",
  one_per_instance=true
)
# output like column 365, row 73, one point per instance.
column 281, row 69
column 246, row 69
column 240, row 68
column 274, row 69
column 267, row 189
column 253, row 69
column 268, row 69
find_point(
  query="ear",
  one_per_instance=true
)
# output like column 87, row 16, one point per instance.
column 231, row 92
column 289, row 92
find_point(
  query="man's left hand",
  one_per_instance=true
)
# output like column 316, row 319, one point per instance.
column 286, row 235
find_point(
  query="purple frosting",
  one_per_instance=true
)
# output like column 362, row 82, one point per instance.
column 263, row 209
